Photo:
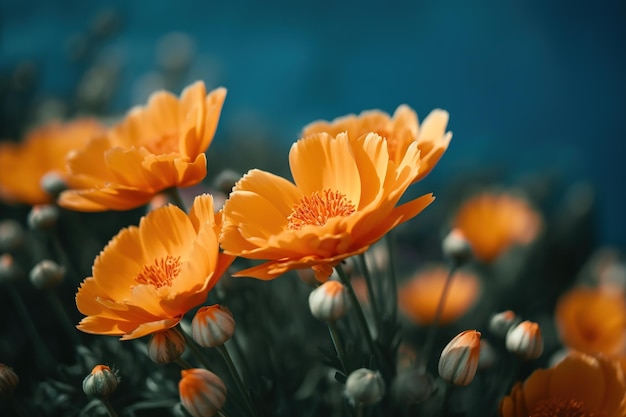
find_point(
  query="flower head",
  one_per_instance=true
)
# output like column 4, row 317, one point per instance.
column 459, row 359
column 579, row 385
column 400, row 130
column 43, row 151
column 202, row 393
column 492, row 223
column 591, row 320
column 418, row 298
column 154, row 148
column 148, row 277
column 344, row 199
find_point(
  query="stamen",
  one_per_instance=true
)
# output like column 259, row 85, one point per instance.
column 318, row 208
column 161, row 273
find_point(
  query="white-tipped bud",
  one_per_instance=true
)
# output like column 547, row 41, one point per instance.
column 212, row 326
column 456, row 247
column 329, row 301
column 166, row 346
column 412, row 386
column 101, row 382
column 43, row 217
column 525, row 340
column 501, row 323
column 10, row 271
column 12, row 235
column 365, row 386
column 53, row 183
column 47, row 274
column 459, row 359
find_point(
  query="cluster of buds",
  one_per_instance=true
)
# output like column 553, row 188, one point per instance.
column 523, row 338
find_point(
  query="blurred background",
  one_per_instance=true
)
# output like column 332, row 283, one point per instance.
column 533, row 88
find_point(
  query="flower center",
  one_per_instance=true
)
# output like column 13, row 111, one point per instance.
column 318, row 208
column 163, row 144
column 161, row 273
column 555, row 407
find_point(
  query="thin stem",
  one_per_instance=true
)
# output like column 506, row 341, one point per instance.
column 238, row 381
column 341, row 353
column 59, row 310
column 359, row 409
column 393, row 284
column 174, row 196
column 109, row 407
column 183, row 363
column 370, row 289
column 196, row 350
column 432, row 330
column 222, row 413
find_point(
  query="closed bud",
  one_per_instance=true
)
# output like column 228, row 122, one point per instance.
column 202, row 393
column 501, row 323
column 212, row 326
column 459, row 359
column 412, row 386
column 12, row 236
column 47, row 274
column 166, row 346
column 53, row 183
column 101, row 382
column 456, row 247
column 43, row 217
column 525, row 340
column 10, row 271
column 8, row 381
column 329, row 301
column 365, row 386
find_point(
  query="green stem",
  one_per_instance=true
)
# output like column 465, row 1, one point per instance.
column 370, row 289
column 109, row 407
column 59, row 310
column 238, row 381
column 341, row 353
column 183, row 363
column 359, row 409
column 174, row 196
column 393, row 284
column 432, row 330
column 196, row 350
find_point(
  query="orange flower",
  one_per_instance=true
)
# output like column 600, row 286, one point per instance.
column 400, row 131
column 579, row 385
column 154, row 148
column 343, row 200
column 43, row 151
column 591, row 320
column 418, row 298
column 492, row 223
column 148, row 277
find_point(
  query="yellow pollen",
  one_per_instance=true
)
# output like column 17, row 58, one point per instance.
column 161, row 273
column 555, row 407
column 318, row 208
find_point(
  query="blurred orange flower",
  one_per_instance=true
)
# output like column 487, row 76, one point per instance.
column 579, row 385
column 400, row 130
column 148, row 277
column 154, row 148
column 592, row 320
column 418, row 297
column 492, row 223
column 343, row 200
column 43, row 151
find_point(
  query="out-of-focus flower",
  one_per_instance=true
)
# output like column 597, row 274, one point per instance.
column 419, row 297
column 43, row 217
column 412, row 386
column 8, row 381
column 47, row 274
column 10, row 271
column 365, row 386
column 525, row 340
column 492, row 223
column 212, row 326
column 502, row 322
column 591, row 320
column 166, row 346
column 459, row 359
column 202, row 393
column 343, row 200
column 329, row 301
column 43, row 151
column 12, row 235
column 579, row 385
column 154, row 148
column 148, row 277
column 101, row 382
column 456, row 247
column 400, row 130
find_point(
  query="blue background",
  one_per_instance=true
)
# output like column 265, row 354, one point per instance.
column 531, row 86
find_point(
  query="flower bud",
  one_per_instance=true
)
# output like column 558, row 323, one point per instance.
column 166, row 346
column 525, row 340
column 8, row 381
column 202, row 393
column 329, row 301
column 502, row 322
column 53, row 183
column 47, row 274
column 456, row 247
column 212, row 326
column 459, row 359
column 487, row 356
column 101, row 382
column 365, row 386
column 412, row 386
column 10, row 271
column 43, row 217
column 226, row 180
column 12, row 235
